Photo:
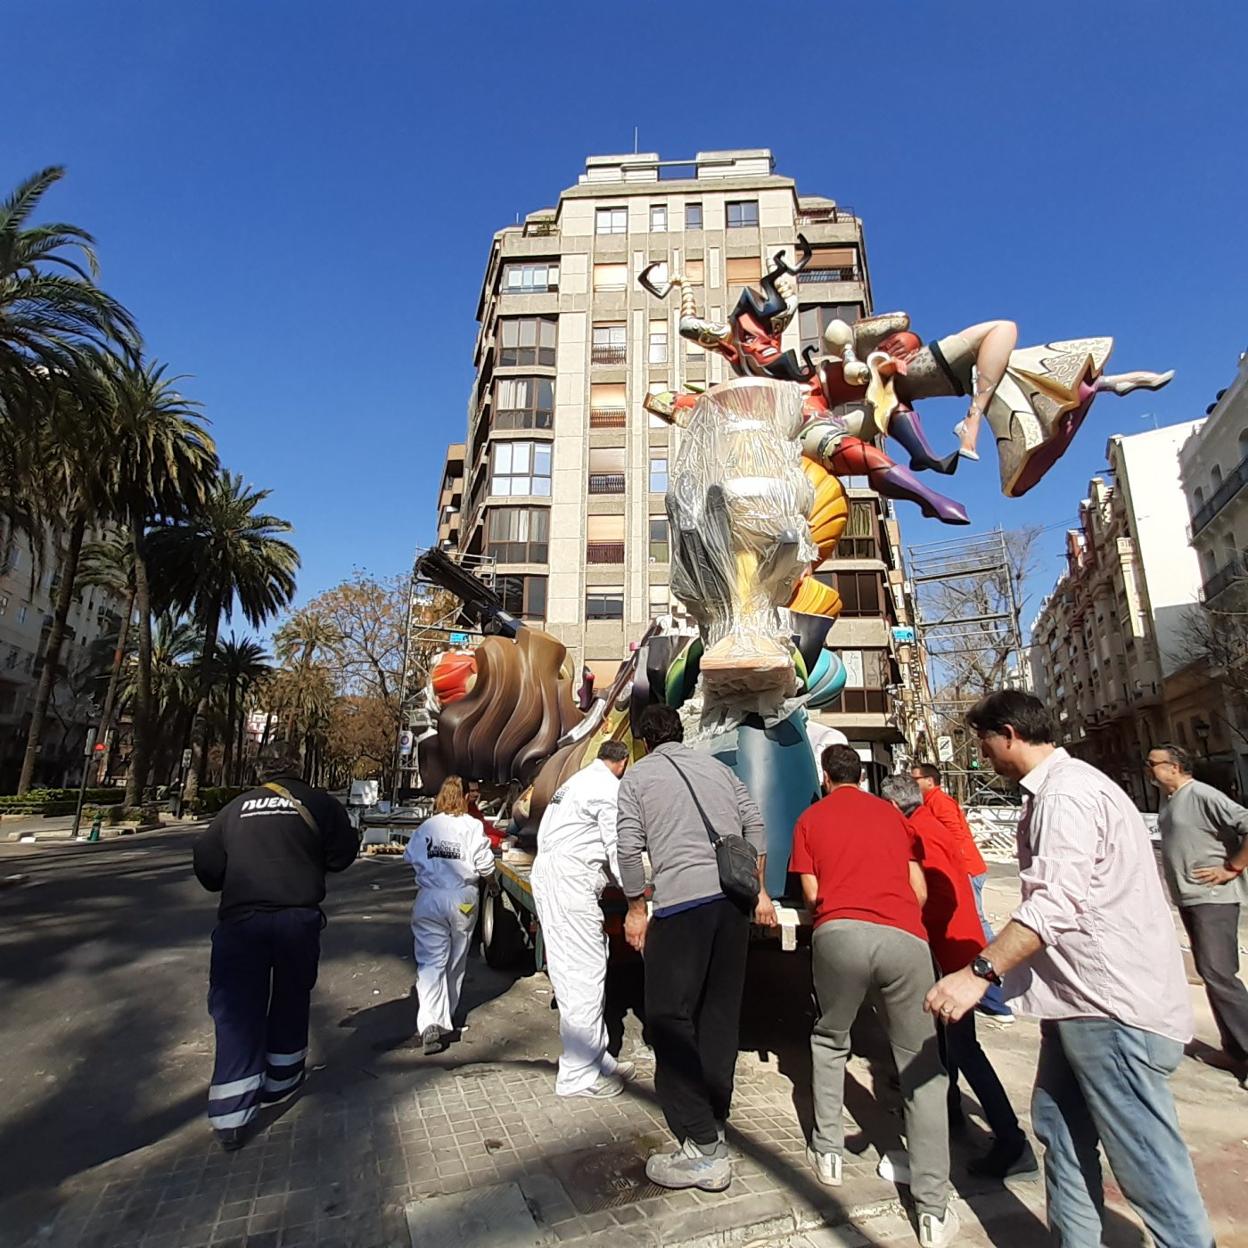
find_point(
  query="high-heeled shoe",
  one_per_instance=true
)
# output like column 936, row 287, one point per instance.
column 965, row 451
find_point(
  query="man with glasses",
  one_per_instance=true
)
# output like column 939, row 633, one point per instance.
column 1092, row 953
column 1204, row 848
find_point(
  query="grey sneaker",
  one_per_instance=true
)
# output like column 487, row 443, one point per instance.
column 937, row 1232
column 689, row 1166
column 626, row 1071
column 827, row 1167
column 431, row 1040
column 602, row 1088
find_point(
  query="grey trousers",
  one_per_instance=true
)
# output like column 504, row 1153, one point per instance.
column 1213, row 930
column 855, row 961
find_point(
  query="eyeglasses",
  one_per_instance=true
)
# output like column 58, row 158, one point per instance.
column 1150, row 763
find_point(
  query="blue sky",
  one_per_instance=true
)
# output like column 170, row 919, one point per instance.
column 269, row 183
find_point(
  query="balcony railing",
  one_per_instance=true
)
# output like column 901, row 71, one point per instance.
column 604, row 552
column 606, row 483
column 1231, row 486
column 811, row 277
column 607, row 417
column 600, row 354
column 1224, row 578
column 821, row 216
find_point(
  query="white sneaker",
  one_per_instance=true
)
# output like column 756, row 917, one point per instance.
column 602, row 1088
column 894, row 1167
column 827, row 1167
column 937, row 1232
column 626, row 1071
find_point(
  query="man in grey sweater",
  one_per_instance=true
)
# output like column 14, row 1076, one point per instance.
column 695, row 943
column 1204, row 846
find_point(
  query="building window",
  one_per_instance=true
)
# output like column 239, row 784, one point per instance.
column 830, row 264
column 658, row 218
column 693, row 216
column 742, row 271
column 611, row 221
column 658, row 342
column 660, row 542
column 866, row 679
column 4, row 603
column 21, row 614
column 742, row 213
column 518, row 534
column 859, row 591
column 527, row 340
column 537, row 277
column 606, row 469
column 609, row 344
column 607, row 406
column 658, row 474
column 523, row 596
column 610, row 277
column 860, row 538
column 521, row 468
column 604, row 539
column 660, row 600
column 813, row 321
column 604, row 602
column 695, row 272
column 1215, row 476
column 524, row 403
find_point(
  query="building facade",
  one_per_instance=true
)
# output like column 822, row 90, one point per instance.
column 26, row 610
column 1209, row 711
column 562, row 476
column 1112, row 632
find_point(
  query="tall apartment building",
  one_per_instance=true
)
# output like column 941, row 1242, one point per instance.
column 25, row 620
column 1111, row 632
column 1213, row 466
column 561, row 478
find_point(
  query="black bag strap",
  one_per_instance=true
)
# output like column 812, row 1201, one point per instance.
column 712, row 835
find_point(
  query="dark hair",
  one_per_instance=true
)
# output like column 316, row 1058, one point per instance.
column 659, row 725
column 1180, row 757
column 841, row 764
column 613, row 751
column 929, row 771
column 1024, row 712
column 279, row 759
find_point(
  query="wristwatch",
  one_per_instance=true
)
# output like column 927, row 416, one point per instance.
column 983, row 969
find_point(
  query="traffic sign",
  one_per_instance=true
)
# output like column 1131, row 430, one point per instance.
column 405, row 742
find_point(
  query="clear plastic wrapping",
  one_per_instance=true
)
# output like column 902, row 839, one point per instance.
column 738, row 503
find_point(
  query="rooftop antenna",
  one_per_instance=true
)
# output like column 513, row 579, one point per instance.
column 1150, row 416
column 635, row 148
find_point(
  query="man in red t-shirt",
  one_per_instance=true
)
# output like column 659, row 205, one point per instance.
column 956, row 937
column 945, row 807
column 863, row 884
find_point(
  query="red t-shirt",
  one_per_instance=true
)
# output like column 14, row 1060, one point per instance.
column 953, row 927
column 859, row 849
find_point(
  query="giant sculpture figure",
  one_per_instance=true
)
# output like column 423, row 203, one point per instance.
column 754, row 505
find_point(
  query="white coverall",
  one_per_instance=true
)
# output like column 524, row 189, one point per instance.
column 575, row 853
column 448, row 853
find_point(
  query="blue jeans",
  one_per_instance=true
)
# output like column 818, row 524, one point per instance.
column 993, row 1001
column 1101, row 1081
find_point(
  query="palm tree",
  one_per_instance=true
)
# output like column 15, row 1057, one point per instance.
column 109, row 565
column 224, row 553
column 165, row 463
column 239, row 665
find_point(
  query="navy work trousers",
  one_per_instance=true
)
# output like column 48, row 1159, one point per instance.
column 259, row 993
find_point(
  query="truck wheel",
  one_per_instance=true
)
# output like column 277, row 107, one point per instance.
column 502, row 936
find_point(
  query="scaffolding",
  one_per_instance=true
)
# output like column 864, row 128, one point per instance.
column 433, row 624
column 969, row 637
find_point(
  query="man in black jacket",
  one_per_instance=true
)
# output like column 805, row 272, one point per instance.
column 266, row 853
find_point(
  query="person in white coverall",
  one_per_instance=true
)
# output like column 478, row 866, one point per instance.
column 449, row 853
column 575, row 858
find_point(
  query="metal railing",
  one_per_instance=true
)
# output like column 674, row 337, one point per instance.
column 1231, row 486
column 600, row 354
column 811, row 277
column 606, row 483
column 1224, row 578
column 607, row 417
column 821, row 216
column 604, row 552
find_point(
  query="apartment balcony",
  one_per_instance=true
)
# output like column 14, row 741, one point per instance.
column 599, row 354
column 606, row 483
column 604, row 552
column 815, row 277
column 1230, row 487
column 834, row 214
column 607, row 418
column 1230, row 574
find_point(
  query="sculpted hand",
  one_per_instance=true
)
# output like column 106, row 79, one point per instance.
column 955, row 995
column 765, row 912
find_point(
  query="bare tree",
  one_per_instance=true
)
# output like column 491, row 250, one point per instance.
column 1213, row 642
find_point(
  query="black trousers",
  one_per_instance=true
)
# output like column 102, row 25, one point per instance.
column 695, row 972
column 259, row 995
column 962, row 1053
column 1214, row 932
